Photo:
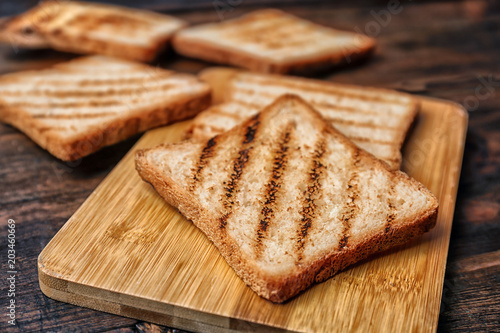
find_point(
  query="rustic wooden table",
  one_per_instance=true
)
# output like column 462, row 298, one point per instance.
column 448, row 50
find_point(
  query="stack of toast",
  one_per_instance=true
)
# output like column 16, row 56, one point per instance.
column 292, row 179
column 287, row 199
column 377, row 120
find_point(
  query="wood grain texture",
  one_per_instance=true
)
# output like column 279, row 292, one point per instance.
column 126, row 251
column 442, row 56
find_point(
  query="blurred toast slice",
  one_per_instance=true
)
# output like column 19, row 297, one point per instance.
column 74, row 108
column 377, row 120
column 272, row 41
column 288, row 200
column 90, row 28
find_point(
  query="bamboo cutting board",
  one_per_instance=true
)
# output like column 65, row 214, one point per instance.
column 126, row 251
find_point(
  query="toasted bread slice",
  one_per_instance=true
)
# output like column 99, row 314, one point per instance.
column 90, row 28
column 377, row 120
column 271, row 41
column 77, row 107
column 287, row 199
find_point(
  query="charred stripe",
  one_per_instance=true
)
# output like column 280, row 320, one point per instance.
column 324, row 107
column 75, row 115
column 308, row 211
column 206, row 153
column 66, row 79
column 238, row 167
column 272, row 187
column 306, row 87
column 131, row 91
column 351, row 208
column 251, row 129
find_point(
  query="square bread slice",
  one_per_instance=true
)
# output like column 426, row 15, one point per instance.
column 272, row 41
column 288, row 200
column 90, row 28
column 75, row 108
column 377, row 120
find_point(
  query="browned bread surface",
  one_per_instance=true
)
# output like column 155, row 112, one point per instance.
column 75, row 108
column 90, row 28
column 287, row 199
column 377, row 120
column 272, row 41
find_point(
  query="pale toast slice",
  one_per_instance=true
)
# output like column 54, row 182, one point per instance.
column 377, row 120
column 288, row 200
column 90, row 28
column 272, row 41
column 75, row 108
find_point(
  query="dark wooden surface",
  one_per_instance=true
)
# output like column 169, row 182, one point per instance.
column 448, row 50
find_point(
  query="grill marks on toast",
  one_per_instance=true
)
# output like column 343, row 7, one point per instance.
column 239, row 164
column 313, row 192
column 211, row 120
column 97, row 93
column 223, row 116
column 312, row 87
column 327, row 104
column 350, row 208
column 206, row 153
column 124, row 98
column 88, row 98
column 336, row 114
column 65, row 76
column 96, row 96
column 273, row 186
column 74, row 115
column 313, row 96
column 251, row 130
column 303, row 198
column 59, row 104
column 377, row 120
column 93, row 28
column 239, row 109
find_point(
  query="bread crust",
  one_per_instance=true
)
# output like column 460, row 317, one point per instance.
column 281, row 288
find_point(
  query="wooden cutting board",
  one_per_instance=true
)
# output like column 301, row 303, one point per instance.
column 127, row 252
